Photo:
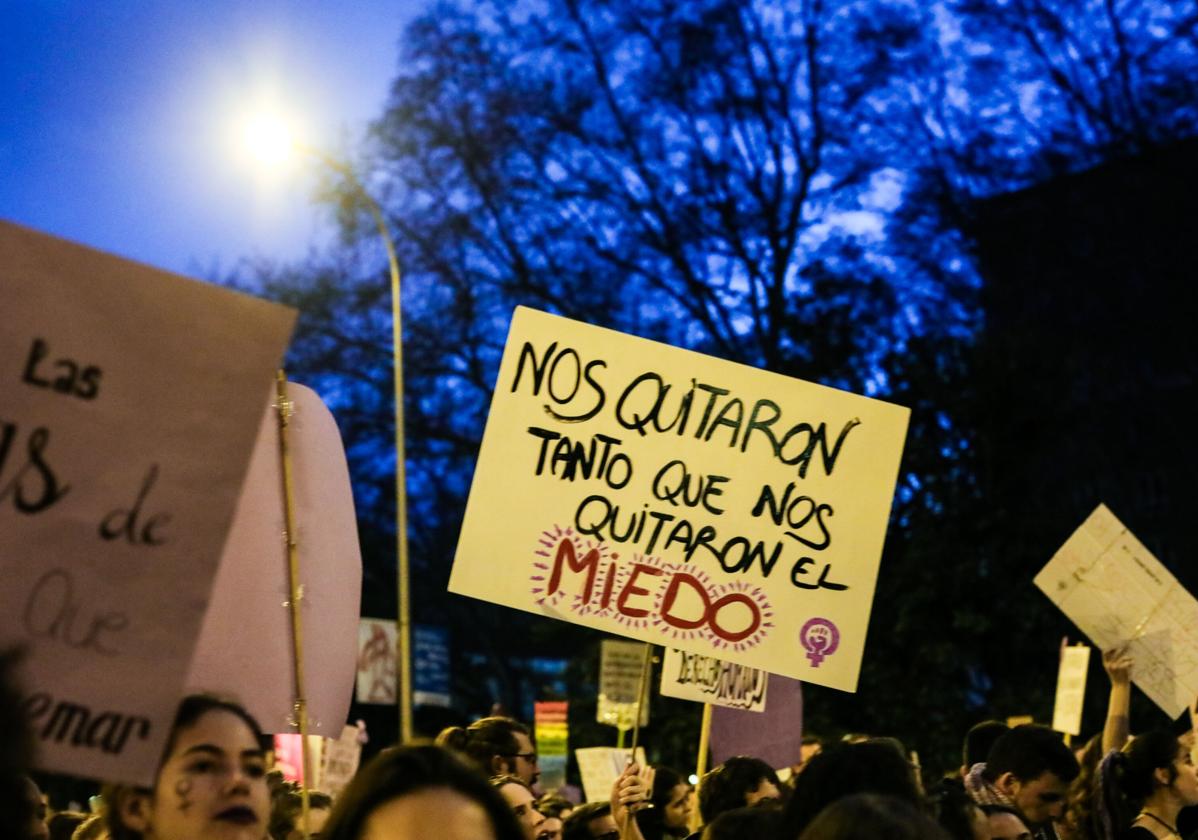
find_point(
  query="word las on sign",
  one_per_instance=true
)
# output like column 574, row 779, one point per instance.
column 63, row 375
column 587, row 578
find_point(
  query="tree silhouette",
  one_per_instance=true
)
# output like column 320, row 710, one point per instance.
column 782, row 184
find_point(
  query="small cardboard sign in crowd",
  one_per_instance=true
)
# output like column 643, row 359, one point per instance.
column 704, row 679
column 620, row 668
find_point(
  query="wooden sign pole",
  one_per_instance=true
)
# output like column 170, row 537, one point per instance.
column 641, row 691
column 701, row 761
column 296, row 594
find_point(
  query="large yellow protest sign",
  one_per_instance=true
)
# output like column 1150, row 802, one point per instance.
column 679, row 499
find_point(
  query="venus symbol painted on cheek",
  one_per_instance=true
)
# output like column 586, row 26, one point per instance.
column 182, row 789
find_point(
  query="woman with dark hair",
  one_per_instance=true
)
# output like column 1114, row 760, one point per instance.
column 1143, row 788
column 739, row 782
column 520, row 799
column 407, row 793
column 867, row 816
column 210, row 785
column 1080, row 821
column 672, row 802
column 497, row 746
column 874, row 766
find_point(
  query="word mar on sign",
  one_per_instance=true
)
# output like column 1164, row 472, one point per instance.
column 130, row 400
column 705, row 679
column 245, row 647
column 660, row 494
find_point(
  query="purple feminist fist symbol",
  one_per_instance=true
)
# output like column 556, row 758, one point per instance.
column 820, row 638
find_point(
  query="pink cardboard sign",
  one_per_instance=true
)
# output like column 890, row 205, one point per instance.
column 129, row 403
column 245, row 647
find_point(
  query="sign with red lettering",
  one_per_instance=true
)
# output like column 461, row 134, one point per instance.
column 129, row 404
column 660, row 494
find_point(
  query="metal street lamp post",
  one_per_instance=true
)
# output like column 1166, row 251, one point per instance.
column 271, row 139
column 404, row 689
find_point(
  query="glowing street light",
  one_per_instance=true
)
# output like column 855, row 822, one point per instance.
column 270, row 140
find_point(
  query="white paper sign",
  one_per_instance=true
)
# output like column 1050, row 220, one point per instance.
column 620, row 665
column 704, row 679
column 1117, row 593
column 600, row 767
column 339, row 760
column 245, row 647
column 1071, row 689
column 130, row 400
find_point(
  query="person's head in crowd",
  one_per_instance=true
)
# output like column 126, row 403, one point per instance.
column 672, row 798
column 591, row 821
column 1031, row 768
column 555, row 805
column 876, row 766
column 17, row 810
column 1080, row 814
column 411, row 793
column 286, row 814
column 1148, row 783
column 520, row 799
column 908, row 756
column 810, row 747
column 498, row 746
column 868, row 816
column 754, row 821
column 738, row 782
column 957, row 814
column 210, row 784
column 1005, row 823
column 35, row 805
column 1089, row 752
column 62, row 825
column 978, row 741
column 555, row 809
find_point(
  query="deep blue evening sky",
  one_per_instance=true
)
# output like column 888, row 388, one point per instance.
column 115, row 118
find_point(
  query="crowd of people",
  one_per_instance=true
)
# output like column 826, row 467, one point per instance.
column 480, row 782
